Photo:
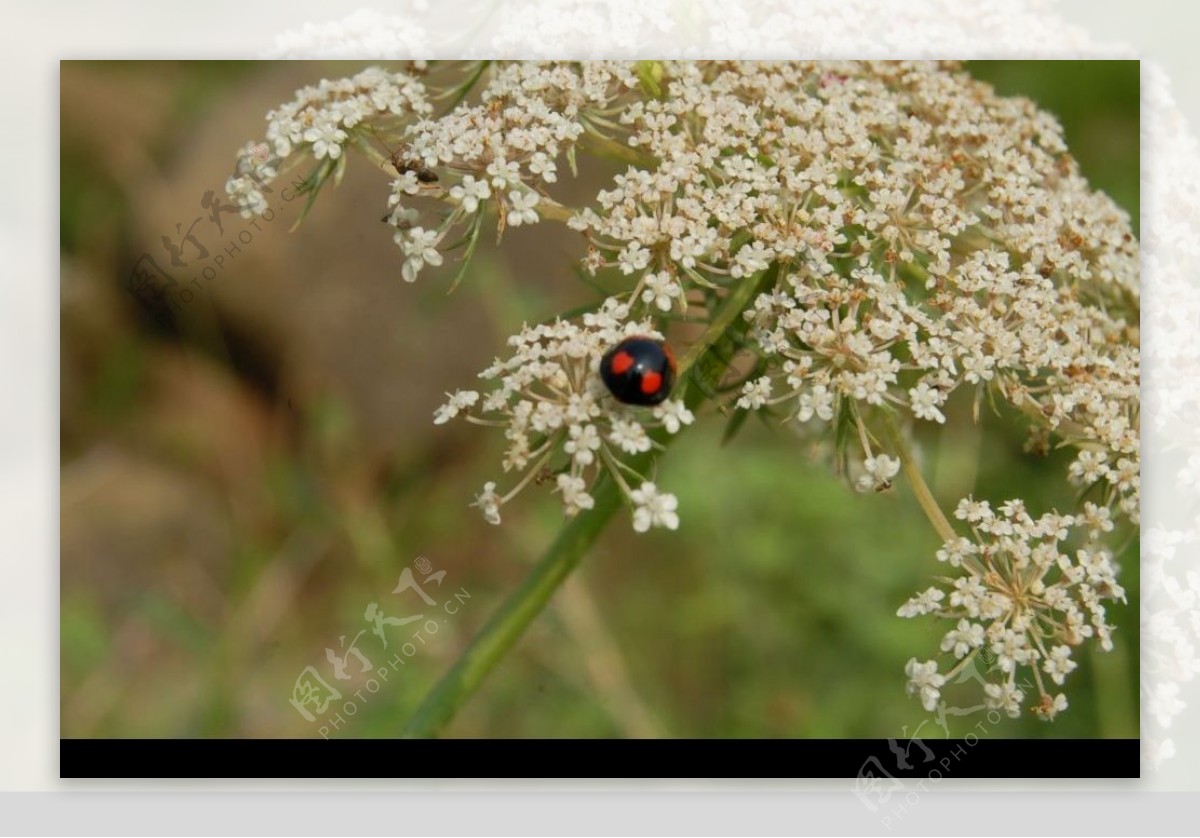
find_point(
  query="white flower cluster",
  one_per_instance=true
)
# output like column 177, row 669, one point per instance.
column 939, row 234
column 926, row 236
column 1171, row 622
column 1170, row 582
column 505, row 150
column 938, row 237
column 562, row 424
column 956, row 249
column 322, row 119
column 1023, row 601
column 827, row 28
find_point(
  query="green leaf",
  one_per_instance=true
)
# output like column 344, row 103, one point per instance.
column 844, row 434
column 650, row 75
column 736, row 421
column 312, row 187
column 472, row 242
column 463, row 90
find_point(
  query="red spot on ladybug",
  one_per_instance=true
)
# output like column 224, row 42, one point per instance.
column 639, row 371
column 621, row 363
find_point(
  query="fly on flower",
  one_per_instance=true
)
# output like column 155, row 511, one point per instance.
column 403, row 162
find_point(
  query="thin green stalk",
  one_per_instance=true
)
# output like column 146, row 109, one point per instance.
column 463, row 90
column 523, row 605
column 916, row 480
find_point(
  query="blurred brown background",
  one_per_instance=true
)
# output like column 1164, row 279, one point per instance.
column 243, row 476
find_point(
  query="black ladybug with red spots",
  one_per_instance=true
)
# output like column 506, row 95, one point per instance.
column 639, row 371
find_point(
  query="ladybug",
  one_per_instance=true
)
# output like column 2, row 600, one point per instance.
column 639, row 371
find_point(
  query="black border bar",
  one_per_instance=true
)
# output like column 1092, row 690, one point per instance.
column 880, row 759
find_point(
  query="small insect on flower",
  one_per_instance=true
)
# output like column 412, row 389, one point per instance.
column 404, row 162
column 639, row 371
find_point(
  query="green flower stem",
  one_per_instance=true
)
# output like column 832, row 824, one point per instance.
column 523, row 605
column 552, row 210
column 916, row 480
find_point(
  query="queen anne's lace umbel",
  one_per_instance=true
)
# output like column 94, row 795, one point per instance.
column 553, row 408
column 928, row 238
column 1022, row 601
column 319, row 122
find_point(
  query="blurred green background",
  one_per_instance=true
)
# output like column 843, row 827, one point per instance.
column 242, row 478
